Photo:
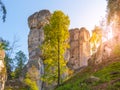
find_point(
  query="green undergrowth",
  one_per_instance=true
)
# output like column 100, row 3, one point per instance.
column 108, row 78
column 111, row 72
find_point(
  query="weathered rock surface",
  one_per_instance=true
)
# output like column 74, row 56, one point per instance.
column 2, row 70
column 76, row 56
column 36, row 35
column 36, row 23
column 106, row 50
column 79, row 48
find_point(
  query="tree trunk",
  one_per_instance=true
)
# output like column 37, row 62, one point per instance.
column 58, row 61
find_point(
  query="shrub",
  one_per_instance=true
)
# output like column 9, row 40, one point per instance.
column 31, row 77
column 31, row 84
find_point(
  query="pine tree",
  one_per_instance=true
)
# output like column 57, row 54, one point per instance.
column 20, row 60
column 54, row 46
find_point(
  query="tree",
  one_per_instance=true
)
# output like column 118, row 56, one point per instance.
column 3, row 10
column 8, row 61
column 55, row 44
column 20, row 60
column 9, row 65
column 113, row 10
column 96, row 38
column 4, row 44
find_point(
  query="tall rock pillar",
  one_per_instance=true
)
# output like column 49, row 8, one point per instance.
column 84, row 47
column 36, row 23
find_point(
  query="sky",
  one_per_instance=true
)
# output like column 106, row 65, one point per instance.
column 82, row 13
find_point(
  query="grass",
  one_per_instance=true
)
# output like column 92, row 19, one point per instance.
column 110, row 72
column 109, row 79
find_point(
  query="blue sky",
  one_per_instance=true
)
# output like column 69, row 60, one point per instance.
column 82, row 13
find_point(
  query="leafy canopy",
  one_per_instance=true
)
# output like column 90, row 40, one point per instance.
column 55, row 45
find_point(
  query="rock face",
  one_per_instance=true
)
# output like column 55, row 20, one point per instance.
column 79, row 48
column 76, row 56
column 2, row 70
column 106, row 50
column 35, row 38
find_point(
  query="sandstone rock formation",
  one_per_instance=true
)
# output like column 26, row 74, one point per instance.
column 36, row 23
column 79, row 48
column 2, row 70
column 76, row 56
column 105, row 50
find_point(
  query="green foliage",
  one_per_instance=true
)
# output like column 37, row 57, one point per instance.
column 110, row 72
column 13, row 75
column 96, row 37
column 3, row 9
column 115, row 86
column 4, row 44
column 54, row 46
column 107, row 75
column 76, row 83
column 32, row 84
column 8, row 64
column 8, row 61
column 17, row 63
column 20, row 60
column 31, row 77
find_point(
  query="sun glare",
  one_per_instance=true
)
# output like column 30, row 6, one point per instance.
column 110, row 34
column 107, row 33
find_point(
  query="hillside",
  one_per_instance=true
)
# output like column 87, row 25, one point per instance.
column 104, row 76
